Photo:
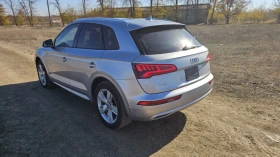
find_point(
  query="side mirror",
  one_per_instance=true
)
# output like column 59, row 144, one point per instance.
column 48, row 43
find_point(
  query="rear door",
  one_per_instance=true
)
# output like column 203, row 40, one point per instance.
column 85, row 57
column 57, row 57
column 171, row 58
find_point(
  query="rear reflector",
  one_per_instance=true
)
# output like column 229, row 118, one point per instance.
column 210, row 82
column 158, row 102
column 208, row 57
column 143, row 71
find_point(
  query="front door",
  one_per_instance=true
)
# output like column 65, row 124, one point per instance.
column 57, row 56
column 83, row 60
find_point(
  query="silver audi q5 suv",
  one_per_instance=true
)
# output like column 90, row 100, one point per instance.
column 132, row 69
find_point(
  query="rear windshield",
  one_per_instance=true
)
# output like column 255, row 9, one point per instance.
column 163, row 39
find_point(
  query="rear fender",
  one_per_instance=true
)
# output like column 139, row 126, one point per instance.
column 116, row 85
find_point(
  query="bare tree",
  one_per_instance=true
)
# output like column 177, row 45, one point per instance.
column 214, row 2
column 157, row 7
column 112, row 4
column 277, row 5
column 132, row 8
column 158, row 10
column 11, row 4
column 176, row 3
column 84, row 5
column 132, row 5
column 151, row 7
column 48, row 5
column 230, row 8
column 25, row 10
column 59, row 9
column 31, row 10
column 101, row 3
column 187, row 10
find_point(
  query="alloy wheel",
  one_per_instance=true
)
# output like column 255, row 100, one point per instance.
column 42, row 74
column 107, row 106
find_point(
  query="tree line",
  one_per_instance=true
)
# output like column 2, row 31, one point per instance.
column 24, row 11
column 225, row 10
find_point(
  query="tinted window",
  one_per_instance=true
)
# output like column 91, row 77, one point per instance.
column 66, row 38
column 90, row 37
column 164, row 39
column 110, row 40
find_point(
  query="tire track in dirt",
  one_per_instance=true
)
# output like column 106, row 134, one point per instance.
column 20, row 50
column 15, row 67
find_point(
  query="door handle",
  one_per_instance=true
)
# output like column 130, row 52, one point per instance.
column 91, row 64
column 64, row 59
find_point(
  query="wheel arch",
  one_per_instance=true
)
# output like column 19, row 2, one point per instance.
column 37, row 59
column 41, row 55
column 100, row 77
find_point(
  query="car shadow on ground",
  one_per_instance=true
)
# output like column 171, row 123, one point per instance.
column 40, row 122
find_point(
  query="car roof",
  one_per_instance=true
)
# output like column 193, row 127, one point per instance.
column 131, row 23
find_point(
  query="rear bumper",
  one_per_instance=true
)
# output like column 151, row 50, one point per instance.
column 167, row 113
column 190, row 95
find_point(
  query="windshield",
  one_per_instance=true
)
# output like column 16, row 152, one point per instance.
column 164, row 39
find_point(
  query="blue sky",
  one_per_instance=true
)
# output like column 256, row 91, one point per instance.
column 42, row 9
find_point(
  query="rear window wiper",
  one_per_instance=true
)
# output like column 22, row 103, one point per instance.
column 192, row 47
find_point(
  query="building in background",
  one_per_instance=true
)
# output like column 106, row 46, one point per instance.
column 193, row 13
column 187, row 14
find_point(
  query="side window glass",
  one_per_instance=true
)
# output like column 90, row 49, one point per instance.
column 110, row 40
column 66, row 38
column 90, row 37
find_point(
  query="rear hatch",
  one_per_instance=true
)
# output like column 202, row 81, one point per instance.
column 170, row 58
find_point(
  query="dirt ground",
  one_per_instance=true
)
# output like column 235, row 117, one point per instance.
column 241, row 117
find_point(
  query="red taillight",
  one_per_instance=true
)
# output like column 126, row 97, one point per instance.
column 158, row 102
column 208, row 57
column 143, row 71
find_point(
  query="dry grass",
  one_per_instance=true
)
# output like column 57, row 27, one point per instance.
column 26, row 36
column 245, row 59
column 240, row 118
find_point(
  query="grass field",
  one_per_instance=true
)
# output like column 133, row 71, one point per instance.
column 241, row 116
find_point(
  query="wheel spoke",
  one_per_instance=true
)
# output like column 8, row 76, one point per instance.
column 110, row 116
column 114, row 109
column 102, row 97
column 109, row 96
column 43, row 80
column 103, row 109
column 41, row 69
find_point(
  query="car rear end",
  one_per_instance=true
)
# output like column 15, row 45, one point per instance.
column 172, row 72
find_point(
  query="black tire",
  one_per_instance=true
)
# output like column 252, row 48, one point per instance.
column 122, row 118
column 49, row 84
